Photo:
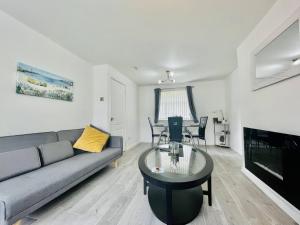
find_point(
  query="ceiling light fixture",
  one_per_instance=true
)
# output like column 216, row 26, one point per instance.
column 169, row 79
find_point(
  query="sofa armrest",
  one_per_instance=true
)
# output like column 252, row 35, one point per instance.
column 115, row 142
column 2, row 214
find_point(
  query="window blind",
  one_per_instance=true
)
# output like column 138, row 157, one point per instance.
column 174, row 102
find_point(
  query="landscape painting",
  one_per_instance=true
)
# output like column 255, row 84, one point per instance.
column 36, row 82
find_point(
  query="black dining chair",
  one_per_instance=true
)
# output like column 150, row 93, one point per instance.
column 201, row 131
column 158, row 135
column 175, row 129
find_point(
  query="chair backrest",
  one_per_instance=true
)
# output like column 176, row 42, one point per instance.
column 202, row 127
column 151, row 126
column 175, row 128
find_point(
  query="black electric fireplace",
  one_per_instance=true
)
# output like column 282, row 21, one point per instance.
column 275, row 159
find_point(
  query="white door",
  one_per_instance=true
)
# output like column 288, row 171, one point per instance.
column 118, row 110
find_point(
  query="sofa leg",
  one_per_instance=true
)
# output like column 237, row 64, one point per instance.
column 18, row 222
column 115, row 163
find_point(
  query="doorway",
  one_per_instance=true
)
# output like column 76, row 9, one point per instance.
column 118, row 110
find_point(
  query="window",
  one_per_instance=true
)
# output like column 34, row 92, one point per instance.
column 174, row 102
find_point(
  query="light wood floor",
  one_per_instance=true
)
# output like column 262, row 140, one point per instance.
column 114, row 196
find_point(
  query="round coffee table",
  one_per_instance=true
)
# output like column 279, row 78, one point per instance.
column 174, row 179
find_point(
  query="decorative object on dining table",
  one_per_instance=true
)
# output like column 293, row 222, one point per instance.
column 174, row 153
column 174, row 147
column 174, row 160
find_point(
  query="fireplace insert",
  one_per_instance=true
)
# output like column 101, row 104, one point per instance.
column 275, row 159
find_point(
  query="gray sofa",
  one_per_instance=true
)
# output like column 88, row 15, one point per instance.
column 36, row 168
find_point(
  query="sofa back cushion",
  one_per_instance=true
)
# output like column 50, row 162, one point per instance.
column 69, row 135
column 17, row 162
column 72, row 136
column 54, row 152
column 11, row 143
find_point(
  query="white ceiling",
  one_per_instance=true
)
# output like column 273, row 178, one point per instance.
column 197, row 39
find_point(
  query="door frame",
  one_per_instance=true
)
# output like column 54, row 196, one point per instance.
column 113, row 79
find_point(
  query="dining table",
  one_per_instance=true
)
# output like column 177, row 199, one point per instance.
column 185, row 128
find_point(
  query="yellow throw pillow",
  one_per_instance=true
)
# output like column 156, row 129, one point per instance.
column 91, row 140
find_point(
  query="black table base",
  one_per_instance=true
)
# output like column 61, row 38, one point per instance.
column 186, row 204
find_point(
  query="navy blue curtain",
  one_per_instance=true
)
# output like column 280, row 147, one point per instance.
column 157, row 104
column 191, row 103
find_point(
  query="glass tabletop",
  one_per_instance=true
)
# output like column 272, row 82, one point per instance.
column 179, row 162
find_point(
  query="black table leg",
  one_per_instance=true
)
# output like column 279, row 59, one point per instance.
column 209, row 191
column 169, row 206
column 145, row 186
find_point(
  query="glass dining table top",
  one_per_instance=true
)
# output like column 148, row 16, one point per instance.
column 182, row 162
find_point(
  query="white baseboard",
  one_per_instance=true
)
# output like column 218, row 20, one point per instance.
column 280, row 201
column 129, row 147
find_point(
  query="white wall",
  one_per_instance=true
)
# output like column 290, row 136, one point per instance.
column 101, row 110
column 21, row 114
column 209, row 96
column 100, row 89
column 234, row 112
column 274, row 108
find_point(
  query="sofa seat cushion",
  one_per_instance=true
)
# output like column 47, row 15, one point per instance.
column 24, row 191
